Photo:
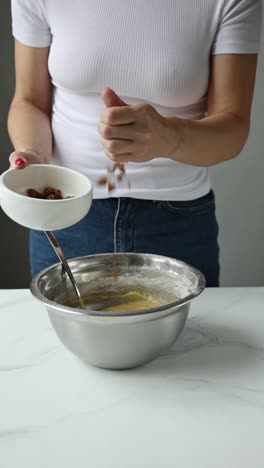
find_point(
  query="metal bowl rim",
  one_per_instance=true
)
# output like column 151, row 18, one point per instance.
column 79, row 312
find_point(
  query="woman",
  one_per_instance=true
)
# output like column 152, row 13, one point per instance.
column 163, row 86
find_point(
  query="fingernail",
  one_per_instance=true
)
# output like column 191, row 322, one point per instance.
column 19, row 162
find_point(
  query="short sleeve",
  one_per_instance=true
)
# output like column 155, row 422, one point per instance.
column 239, row 29
column 29, row 23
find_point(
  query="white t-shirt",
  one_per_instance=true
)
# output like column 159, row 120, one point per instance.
column 154, row 51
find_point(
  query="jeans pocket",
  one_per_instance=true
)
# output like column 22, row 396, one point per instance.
column 197, row 206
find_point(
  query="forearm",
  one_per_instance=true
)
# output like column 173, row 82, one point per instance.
column 208, row 141
column 30, row 129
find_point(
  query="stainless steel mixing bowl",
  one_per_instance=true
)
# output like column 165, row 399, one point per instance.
column 116, row 340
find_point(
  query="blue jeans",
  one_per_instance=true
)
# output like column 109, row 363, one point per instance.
column 186, row 230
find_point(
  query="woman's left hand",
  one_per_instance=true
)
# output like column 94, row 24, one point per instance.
column 135, row 133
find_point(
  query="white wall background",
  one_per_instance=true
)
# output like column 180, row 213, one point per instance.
column 239, row 188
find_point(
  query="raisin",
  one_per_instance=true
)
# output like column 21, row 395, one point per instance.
column 58, row 194
column 34, row 193
column 52, row 191
column 111, row 186
column 102, row 181
column 119, row 172
column 120, row 167
column 49, row 193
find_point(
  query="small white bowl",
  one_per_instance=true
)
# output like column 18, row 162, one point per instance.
column 45, row 215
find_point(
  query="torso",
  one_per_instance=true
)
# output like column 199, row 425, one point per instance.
column 151, row 51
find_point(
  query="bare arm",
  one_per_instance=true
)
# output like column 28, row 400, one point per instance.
column 139, row 133
column 29, row 116
column 223, row 134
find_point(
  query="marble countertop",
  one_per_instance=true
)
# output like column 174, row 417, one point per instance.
column 200, row 405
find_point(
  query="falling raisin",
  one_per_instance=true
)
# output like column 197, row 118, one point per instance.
column 117, row 172
column 111, row 186
column 102, row 181
column 115, row 274
column 120, row 167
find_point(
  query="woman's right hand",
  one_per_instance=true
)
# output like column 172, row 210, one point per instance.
column 21, row 159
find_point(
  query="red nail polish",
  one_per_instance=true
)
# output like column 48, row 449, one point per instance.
column 19, row 162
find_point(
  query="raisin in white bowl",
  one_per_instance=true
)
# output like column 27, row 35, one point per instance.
column 42, row 214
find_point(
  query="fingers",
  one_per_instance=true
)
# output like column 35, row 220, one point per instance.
column 121, row 158
column 119, row 146
column 18, row 160
column 118, row 132
column 21, row 159
column 126, row 131
column 111, row 99
column 119, row 115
